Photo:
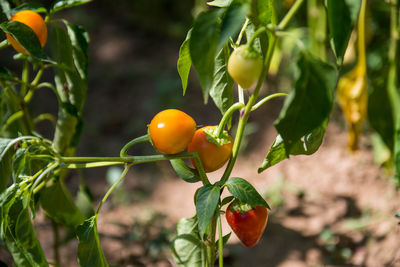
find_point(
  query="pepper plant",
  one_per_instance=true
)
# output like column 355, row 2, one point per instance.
column 231, row 44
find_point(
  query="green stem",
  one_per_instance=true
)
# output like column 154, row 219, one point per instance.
column 14, row 105
column 127, row 166
column 39, row 183
column 90, row 165
column 220, row 242
column 4, row 44
column 45, row 116
column 243, row 120
column 134, row 160
column 17, row 115
column 25, row 77
column 241, row 94
column 227, row 116
column 289, row 15
column 242, row 31
column 265, row 99
column 249, row 106
column 28, row 97
column 141, row 139
column 255, row 35
column 211, row 252
column 38, row 76
column 16, row 140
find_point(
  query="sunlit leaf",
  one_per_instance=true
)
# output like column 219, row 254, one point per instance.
column 187, row 247
column 184, row 62
column 206, row 202
column 245, row 192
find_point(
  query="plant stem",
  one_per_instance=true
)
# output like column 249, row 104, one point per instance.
column 39, row 184
column 239, row 39
column 289, row 15
column 254, row 36
column 241, row 94
column 220, row 242
column 265, row 99
column 91, row 165
column 38, row 76
column 211, row 251
column 243, row 120
column 227, row 116
column 16, row 140
column 127, row 166
column 141, row 139
column 4, row 44
column 25, row 77
column 132, row 160
column 45, row 116
column 17, row 115
column 245, row 117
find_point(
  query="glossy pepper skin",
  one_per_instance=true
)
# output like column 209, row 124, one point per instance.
column 212, row 156
column 248, row 226
column 171, row 130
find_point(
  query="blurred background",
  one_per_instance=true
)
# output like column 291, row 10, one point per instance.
column 331, row 208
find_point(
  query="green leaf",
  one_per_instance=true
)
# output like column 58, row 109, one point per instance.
column 38, row 8
column 202, row 46
column 206, row 203
column 90, row 253
column 69, row 83
column 342, row 17
column 6, row 9
column 26, row 37
column 232, row 21
column 263, row 12
column 187, row 248
column 84, row 201
column 306, row 145
column 17, row 231
column 80, row 42
column 380, row 115
column 59, row 205
column 227, row 200
column 184, row 61
column 219, row 3
column 225, row 239
column 183, row 171
column 21, row 164
column 276, row 154
column 65, row 128
column 5, row 163
column 62, row 4
column 245, row 192
column 310, row 103
column 5, row 74
column 222, row 88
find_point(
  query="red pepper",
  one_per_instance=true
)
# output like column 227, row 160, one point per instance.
column 247, row 222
